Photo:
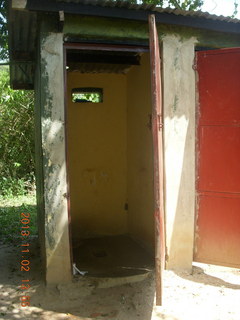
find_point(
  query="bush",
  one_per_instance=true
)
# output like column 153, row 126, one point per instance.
column 17, row 138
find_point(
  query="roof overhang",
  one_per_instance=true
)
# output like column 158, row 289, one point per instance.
column 22, row 24
column 138, row 12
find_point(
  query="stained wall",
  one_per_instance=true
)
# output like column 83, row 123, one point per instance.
column 97, row 157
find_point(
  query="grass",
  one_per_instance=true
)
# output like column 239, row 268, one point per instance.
column 10, row 217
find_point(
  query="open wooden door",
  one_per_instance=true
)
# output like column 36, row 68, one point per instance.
column 157, row 127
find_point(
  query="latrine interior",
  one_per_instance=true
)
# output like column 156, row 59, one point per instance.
column 110, row 165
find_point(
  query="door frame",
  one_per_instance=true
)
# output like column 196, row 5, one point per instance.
column 156, row 123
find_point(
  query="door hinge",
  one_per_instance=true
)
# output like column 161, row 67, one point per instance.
column 160, row 122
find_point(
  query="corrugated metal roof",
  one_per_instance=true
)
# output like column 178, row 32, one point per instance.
column 133, row 6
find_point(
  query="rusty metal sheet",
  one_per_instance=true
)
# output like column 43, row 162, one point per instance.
column 157, row 125
column 218, row 150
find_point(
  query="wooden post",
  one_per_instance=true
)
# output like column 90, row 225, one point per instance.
column 157, row 128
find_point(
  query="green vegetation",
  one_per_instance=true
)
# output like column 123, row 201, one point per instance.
column 235, row 12
column 10, row 216
column 17, row 139
column 3, row 31
column 179, row 4
column 86, row 97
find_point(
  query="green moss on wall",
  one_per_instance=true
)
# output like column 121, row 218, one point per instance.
column 92, row 28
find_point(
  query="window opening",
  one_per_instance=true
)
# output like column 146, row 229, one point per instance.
column 87, row 95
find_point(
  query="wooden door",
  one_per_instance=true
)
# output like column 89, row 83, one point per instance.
column 157, row 126
column 217, row 238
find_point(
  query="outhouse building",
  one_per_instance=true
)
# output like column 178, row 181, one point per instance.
column 90, row 64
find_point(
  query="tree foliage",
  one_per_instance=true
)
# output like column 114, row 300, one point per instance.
column 17, row 138
column 178, row 4
column 3, row 31
column 235, row 12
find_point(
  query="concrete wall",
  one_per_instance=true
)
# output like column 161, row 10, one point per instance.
column 39, row 163
column 179, row 145
column 140, row 156
column 97, row 157
column 58, row 264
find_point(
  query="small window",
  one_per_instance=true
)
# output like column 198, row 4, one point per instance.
column 86, row 95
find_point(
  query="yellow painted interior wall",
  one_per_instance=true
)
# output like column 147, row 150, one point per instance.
column 140, row 157
column 97, row 157
column 110, row 156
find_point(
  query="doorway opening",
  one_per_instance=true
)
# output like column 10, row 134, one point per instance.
column 110, row 159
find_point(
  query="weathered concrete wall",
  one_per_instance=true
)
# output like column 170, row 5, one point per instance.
column 97, row 157
column 58, row 268
column 140, row 154
column 179, row 145
column 39, row 164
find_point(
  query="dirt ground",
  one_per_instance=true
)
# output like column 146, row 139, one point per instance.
column 209, row 293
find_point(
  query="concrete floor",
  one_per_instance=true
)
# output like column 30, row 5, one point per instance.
column 112, row 256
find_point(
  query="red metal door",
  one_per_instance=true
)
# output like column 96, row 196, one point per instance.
column 217, row 239
column 157, row 126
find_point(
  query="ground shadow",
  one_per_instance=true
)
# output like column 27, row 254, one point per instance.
column 82, row 299
column 85, row 300
column 198, row 275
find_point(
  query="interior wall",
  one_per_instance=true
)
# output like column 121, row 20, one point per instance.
column 140, row 159
column 97, row 161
